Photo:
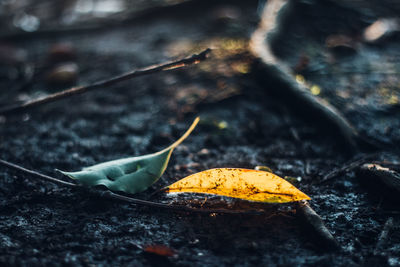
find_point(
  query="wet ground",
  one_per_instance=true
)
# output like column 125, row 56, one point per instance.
column 242, row 125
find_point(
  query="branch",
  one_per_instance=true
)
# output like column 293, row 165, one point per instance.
column 114, row 196
column 346, row 168
column 37, row 174
column 274, row 15
column 315, row 223
column 194, row 59
column 388, row 176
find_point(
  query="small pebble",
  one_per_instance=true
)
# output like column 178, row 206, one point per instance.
column 65, row 73
column 381, row 30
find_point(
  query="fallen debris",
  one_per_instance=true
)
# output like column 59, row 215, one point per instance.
column 317, row 226
column 381, row 30
column 111, row 195
column 160, row 250
column 65, row 73
column 345, row 168
column 389, row 177
column 194, row 59
column 276, row 72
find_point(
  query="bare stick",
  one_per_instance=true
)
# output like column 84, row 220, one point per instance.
column 275, row 12
column 111, row 195
column 346, row 168
column 194, row 59
column 37, row 174
column 314, row 221
column 383, row 237
column 388, row 176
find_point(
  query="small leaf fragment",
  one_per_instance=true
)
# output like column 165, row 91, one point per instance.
column 130, row 175
column 263, row 168
column 160, row 250
column 252, row 185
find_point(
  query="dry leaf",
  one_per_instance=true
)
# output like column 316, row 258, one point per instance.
column 245, row 184
column 160, row 250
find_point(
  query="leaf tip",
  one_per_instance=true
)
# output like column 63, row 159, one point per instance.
column 184, row 136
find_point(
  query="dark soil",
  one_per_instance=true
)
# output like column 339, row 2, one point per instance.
column 242, row 125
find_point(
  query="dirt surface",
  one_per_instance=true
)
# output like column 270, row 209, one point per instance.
column 242, row 125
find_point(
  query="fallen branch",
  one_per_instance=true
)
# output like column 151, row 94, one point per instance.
column 346, row 168
column 383, row 237
column 114, row 196
column 388, row 176
column 272, row 70
column 194, row 59
column 315, row 223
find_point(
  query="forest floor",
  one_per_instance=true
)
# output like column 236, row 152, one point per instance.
column 242, row 125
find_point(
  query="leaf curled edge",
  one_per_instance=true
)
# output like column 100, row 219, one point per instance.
column 252, row 185
column 130, row 175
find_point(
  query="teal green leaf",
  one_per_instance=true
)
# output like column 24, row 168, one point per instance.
column 130, row 175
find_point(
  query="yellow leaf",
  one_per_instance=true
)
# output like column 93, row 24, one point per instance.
column 245, row 184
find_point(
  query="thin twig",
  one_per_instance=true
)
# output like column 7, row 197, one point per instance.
column 274, row 15
column 37, row 174
column 194, row 59
column 383, row 237
column 315, row 223
column 346, row 168
column 111, row 195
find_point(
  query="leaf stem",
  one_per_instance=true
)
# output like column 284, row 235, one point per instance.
column 37, row 174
